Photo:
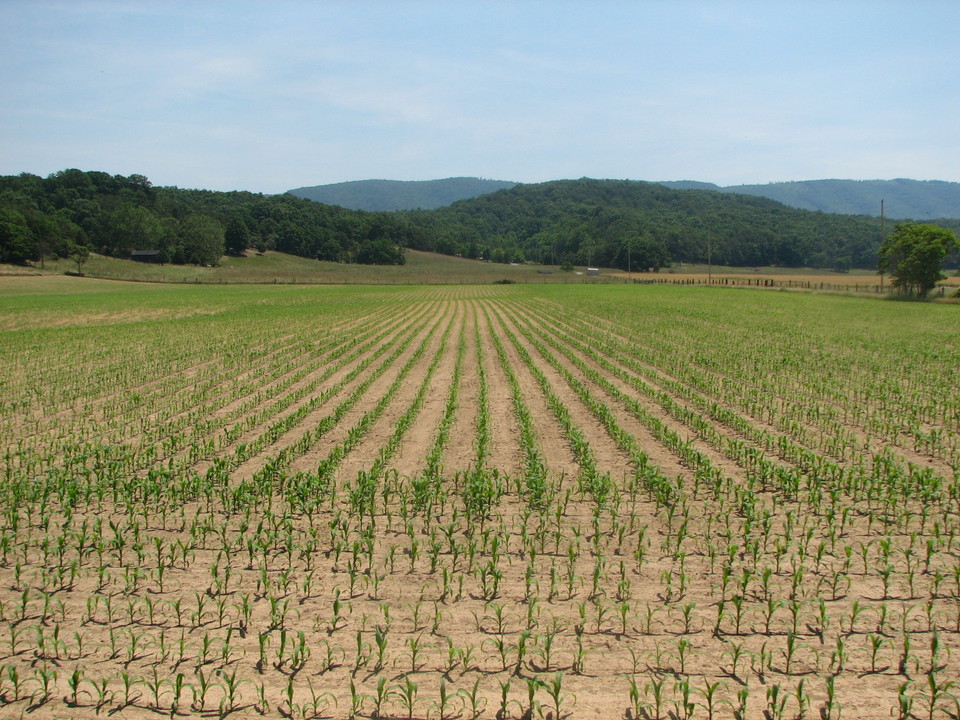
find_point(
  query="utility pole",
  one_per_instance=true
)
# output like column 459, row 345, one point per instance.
column 881, row 238
column 709, row 261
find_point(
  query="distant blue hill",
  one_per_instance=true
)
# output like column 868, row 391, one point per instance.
column 400, row 194
column 903, row 199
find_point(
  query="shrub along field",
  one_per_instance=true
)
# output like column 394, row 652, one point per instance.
column 476, row 501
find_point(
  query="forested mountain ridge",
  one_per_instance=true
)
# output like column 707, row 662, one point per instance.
column 903, row 199
column 376, row 195
column 115, row 215
column 617, row 223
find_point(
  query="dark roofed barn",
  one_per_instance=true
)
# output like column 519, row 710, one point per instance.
column 146, row 256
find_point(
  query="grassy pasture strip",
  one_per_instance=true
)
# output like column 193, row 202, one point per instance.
column 537, row 492
column 821, row 473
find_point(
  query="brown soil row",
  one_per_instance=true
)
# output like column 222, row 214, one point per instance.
column 418, row 438
column 460, row 451
column 380, row 349
column 554, row 447
column 431, row 322
column 609, row 457
column 505, row 452
column 295, row 433
column 659, row 455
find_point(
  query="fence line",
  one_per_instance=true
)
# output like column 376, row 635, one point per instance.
column 766, row 283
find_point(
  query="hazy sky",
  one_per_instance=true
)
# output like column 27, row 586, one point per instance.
column 268, row 96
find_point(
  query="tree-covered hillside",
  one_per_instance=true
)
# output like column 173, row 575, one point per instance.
column 400, row 194
column 903, row 199
column 115, row 215
column 616, row 222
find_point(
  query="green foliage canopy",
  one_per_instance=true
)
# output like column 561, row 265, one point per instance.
column 914, row 254
column 114, row 215
column 588, row 222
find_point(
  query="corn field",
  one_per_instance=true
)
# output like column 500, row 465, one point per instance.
column 478, row 502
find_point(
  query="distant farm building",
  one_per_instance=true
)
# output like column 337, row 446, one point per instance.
column 146, row 256
column 593, row 271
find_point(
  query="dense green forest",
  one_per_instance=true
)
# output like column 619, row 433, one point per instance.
column 616, row 223
column 400, row 194
column 71, row 210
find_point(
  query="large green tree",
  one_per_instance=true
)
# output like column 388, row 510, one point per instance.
column 237, row 236
column 17, row 243
column 913, row 255
column 127, row 227
column 201, row 240
column 643, row 254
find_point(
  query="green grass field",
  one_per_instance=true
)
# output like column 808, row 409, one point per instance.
column 421, row 269
column 273, row 267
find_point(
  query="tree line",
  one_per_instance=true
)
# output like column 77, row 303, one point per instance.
column 610, row 223
column 73, row 211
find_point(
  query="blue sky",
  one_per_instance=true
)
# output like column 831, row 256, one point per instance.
column 268, row 96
